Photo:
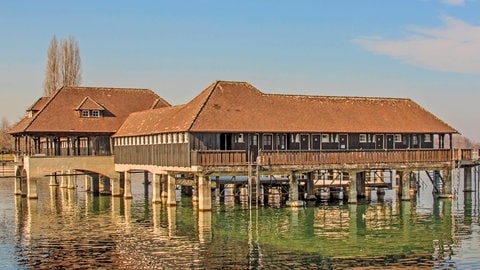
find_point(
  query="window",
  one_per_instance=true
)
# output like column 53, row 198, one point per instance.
column 334, row 137
column 428, row 138
column 180, row 137
column 414, row 140
column 95, row 113
column 325, row 138
column 398, row 138
column 239, row 138
column 85, row 113
column 295, row 138
column 363, row 138
column 281, row 141
column 185, row 137
column 169, row 137
column 254, row 140
column 267, row 140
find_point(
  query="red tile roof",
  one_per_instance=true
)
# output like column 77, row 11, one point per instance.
column 60, row 115
column 240, row 107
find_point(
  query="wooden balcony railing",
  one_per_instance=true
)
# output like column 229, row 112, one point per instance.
column 234, row 157
column 218, row 158
column 353, row 157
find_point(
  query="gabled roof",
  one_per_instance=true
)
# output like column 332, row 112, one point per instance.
column 32, row 111
column 59, row 114
column 89, row 104
column 39, row 104
column 240, row 107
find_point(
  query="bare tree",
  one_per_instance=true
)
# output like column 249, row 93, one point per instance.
column 63, row 65
column 70, row 62
column 5, row 138
column 52, row 74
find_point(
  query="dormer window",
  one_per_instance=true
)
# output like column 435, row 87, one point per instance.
column 91, row 113
column 90, row 108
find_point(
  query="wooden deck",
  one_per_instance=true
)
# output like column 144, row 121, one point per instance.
column 319, row 158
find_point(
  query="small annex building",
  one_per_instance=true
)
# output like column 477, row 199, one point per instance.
column 79, row 120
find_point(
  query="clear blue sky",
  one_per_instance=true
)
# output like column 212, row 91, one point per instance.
column 426, row 50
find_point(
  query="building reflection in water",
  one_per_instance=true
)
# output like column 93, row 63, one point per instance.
column 126, row 230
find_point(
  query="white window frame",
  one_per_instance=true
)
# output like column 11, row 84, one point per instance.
column 95, row 113
column 85, row 113
column 363, row 138
column 428, row 138
column 239, row 138
column 397, row 138
column 271, row 139
column 325, row 138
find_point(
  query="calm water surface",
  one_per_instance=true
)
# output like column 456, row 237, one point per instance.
column 73, row 229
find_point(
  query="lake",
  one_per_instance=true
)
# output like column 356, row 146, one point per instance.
column 69, row 228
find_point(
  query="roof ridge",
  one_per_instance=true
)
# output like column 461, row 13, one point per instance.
column 214, row 86
column 337, row 97
column 42, row 109
column 107, row 88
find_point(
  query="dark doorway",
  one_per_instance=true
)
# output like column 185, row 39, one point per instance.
column 343, row 138
column 304, row 138
column 390, row 141
column 379, row 141
column 226, row 141
column 316, row 141
column 252, row 147
column 282, row 142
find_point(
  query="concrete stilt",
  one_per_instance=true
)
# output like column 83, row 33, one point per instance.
column 405, row 180
column 32, row 188
column 229, row 193
column 361, row 192
column 127, row 191
column 293, row 192
column 63, row 180
column 195, row 190
column 467, row 179
column 53, row 180
column 146, row 182
column 204, row 226
column 310, row 188
column 115, row 182
column 157, row 189
column 171, row 189
column 88, row 183
column 70, row 179
column 447, row 184
column 352, row 191
column 18, row 186
column 95, row 183
column 164, row 185
column 368, row 193
column 204, row 194
column 172, row 220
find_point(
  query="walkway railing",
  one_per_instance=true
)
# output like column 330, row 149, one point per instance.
column 353, row 157
column 233, row 157
column 218, row 158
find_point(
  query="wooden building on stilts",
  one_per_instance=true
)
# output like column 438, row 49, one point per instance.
column 70, row 133
column 231, row 129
